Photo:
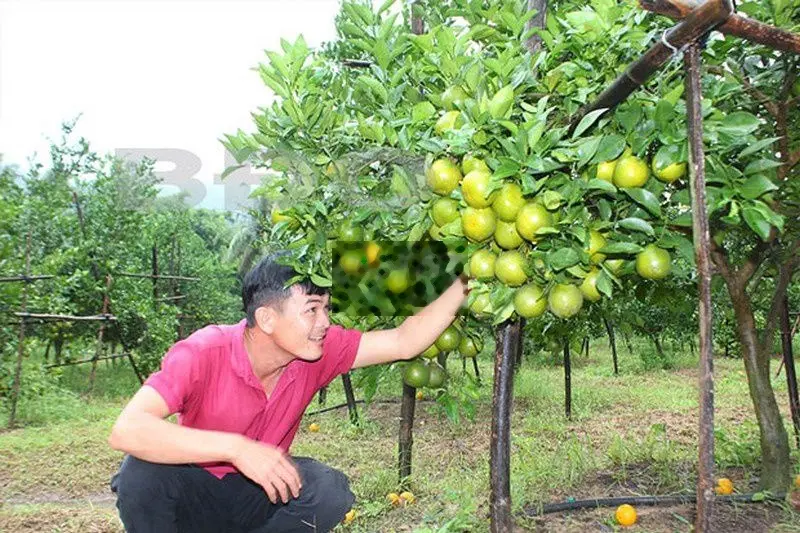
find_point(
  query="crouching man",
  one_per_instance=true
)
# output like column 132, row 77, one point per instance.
column 240, row 392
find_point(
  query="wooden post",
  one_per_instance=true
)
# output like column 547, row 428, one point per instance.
column 788, row 362
column 612, row 341
column 508, row 337
column 100, row 333
column 567, row 380
column 21, row 338
column 323, row 395
column 700, row 233
column 406, row 434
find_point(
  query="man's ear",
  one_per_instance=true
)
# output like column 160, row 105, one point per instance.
column 266, row 319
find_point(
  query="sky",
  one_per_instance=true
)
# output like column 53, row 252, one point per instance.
column 166, row 79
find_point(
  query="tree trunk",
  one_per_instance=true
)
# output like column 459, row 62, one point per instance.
column 791, row 376
column 657, row 344
column 775, row 463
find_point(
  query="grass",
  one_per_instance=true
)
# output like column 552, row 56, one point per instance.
column 630, row 434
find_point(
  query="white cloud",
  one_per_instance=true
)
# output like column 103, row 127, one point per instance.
column 145, row 74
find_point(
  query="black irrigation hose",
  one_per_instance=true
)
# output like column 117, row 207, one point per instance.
column 644, row 500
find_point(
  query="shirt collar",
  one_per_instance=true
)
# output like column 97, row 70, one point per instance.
column 241, row 361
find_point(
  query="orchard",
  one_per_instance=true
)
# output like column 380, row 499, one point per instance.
column 618, row 182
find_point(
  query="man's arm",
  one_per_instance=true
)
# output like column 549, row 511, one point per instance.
column 416, row 333
column 142, row 431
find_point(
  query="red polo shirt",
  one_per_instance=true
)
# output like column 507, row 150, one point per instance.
column 208, row 380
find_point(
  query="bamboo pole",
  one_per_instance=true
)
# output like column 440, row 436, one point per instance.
column 158, row 276
column 26, row 279
column 89, row 360
column 65, row 318
column 735, row 25
column 20, row 339
column 700, row 234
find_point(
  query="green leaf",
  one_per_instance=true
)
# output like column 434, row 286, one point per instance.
column 563, row 258
column 320, row 281
column 422, row 111
column 760, row 166
column 621, row 248
column 756, row 186
column 611, row 146
column 604, row 284
column 646, row 199
column 637, row 224
column 601, row 185
column 552, row 200
column 739, row 124
column 757, row 222
column 756, row 146
column 587, row 121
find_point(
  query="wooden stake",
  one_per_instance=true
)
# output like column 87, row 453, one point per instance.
column 21, row 338
column 700, row 233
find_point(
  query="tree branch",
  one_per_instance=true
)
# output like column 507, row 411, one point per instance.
column 785, row 274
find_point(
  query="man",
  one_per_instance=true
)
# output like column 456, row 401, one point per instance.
column 240, row 392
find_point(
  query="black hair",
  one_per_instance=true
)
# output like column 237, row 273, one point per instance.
column 265, row 285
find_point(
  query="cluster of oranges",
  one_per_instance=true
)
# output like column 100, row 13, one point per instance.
column 503, row 220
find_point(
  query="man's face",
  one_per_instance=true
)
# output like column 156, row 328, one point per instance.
column 301, row 326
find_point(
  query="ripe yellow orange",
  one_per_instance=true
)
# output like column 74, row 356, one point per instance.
column 470, row 163
column 349, row 516
column 565, row 300
column 506, row 235
column 408, row 496
column 398, row 281
column 420, row 395
column 313, row 427
column 510, row 268
column 393, row 498
column 475, row 189
column 350, row 261
column 508, row 201
column 444, row 211
column 670, row 173
column 596, row 243
column 373, row 253
column 443, row 176
column 605, row 170
column 625, row 515
column 478, row 224
column 481, row 264
column 724, row 487
column 797, row 477
column 589, row 286
column 529, row 301
column 653, row 262
column 532, row 217
column 449, row 121
column 631, row 172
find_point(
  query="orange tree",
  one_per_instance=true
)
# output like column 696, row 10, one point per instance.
column 462, row 136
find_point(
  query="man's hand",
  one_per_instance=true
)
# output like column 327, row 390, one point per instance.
column 269, row 467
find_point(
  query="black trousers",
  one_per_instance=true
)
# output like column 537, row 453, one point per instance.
column 160, row 498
